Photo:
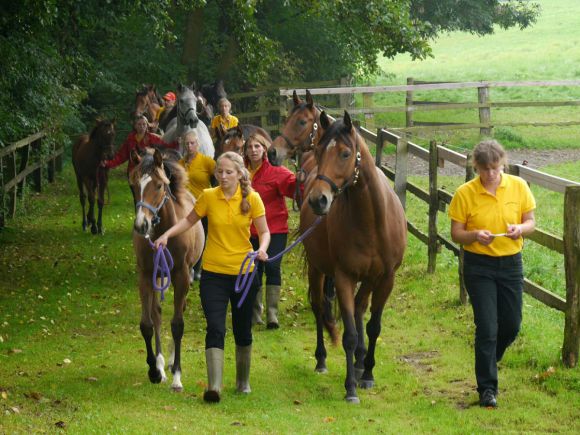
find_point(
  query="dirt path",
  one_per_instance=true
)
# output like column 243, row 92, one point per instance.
column 535, row 159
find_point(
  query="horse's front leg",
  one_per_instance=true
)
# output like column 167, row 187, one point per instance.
column 82, row 199
column 315, row 279
column 146, row 326
column 101, row 200
column 181, row 286
column 156, row 315
column 91, row 214
column 379, row 299
column 345, row 287
column 360, row 307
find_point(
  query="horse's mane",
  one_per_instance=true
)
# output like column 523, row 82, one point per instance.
column 173, row 171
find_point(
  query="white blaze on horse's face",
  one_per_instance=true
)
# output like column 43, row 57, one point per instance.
column 141, row 220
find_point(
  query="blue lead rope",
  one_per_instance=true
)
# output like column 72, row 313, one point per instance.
column 245, row 278
column 162, row 265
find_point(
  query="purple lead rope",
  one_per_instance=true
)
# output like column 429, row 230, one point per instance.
column 244, row 279
column 162, row 265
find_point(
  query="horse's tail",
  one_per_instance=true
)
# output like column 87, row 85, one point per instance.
column 329, row 314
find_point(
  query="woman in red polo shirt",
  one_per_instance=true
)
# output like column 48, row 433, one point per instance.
column 274, row 184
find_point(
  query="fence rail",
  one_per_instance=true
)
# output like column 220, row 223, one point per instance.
column 483, row 105
column 21, row 160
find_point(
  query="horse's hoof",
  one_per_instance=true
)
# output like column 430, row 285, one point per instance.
column 177, row 388
column 358, row 373
column 352, row 399
column 321, row 369
column 366, row 383
column 94, row 230
column 155, row 376
column 211, row 396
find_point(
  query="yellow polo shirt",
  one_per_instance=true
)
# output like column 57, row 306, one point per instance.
column 480, row 210
column 228, row 238
column 199, row 172
column 231, row 122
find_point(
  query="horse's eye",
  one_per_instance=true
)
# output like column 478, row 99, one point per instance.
column 302, row 122
column 345, row 154
column 159, row 186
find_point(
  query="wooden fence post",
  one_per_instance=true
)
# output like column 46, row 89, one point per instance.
column 368, row 103
column 51, row 164
column 484, row 111
column 24, row 153
column 345, row 100
column 283, row 109
column 433, row 208
column 379, row 148
column 409, row 103
column 13, row 193
column 572, row 266
column 462, row 290
column 401, row 164
column 37, row 158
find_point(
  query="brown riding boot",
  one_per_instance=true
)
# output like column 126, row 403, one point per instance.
column 243, row 360
column 214, row 359
column 272, row 299
column 258, row 309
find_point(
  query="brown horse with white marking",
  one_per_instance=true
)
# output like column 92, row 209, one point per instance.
column 162, row 200
column 361, row 239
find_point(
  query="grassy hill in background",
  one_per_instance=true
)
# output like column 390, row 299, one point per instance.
column 550, row 50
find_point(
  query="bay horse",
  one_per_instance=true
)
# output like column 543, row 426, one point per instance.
column 186, row 120
column 92, row 179
column 362, row 239
column 234, row 138
column 145, row 105
column 214, row 92
column 162, row 200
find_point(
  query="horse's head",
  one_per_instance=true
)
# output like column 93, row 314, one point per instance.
column 204, row 109
column 232, row 140
column 213, row 92
column 103, row 134
column 150, row 182
column 300, row 132
column 338, row 155
column 142, row 104
column 186, row 107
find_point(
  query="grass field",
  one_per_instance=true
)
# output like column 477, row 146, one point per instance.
column 550, row 50
column 72, row 357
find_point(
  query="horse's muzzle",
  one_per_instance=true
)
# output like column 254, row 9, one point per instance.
column 320, row 202
column 141, row 226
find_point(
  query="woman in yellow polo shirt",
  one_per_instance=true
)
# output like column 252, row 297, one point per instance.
column 489, row 216
column 231, row 208
column 225, row 120
column 200, row 169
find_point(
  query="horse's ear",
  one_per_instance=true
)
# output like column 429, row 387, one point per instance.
column 180, row 87
column 309, row 100
column 295, row 98
column 135, row 157
column 240, row 130
column 194, row 86
column 158, row 158
column 324, row 121
column 347, row 121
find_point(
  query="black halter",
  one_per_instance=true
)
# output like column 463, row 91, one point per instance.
column 349, row 182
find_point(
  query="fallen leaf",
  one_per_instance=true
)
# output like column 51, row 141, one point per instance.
column 60, row 424
column 15, row 351
column 35, row 395
column 66, row 361
column 4, row 395
column 329, row 419
column 15, row 410
column 237, row 423
column 169, row 408
column 297, row 402
column 92, row 379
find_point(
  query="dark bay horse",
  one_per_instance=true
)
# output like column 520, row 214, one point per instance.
column 233, row 139
column 145, row 104
column 362, row 239
column 162, row 200
column 87, row 154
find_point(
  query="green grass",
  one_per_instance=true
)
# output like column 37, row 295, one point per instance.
column 546, row 51
column 66, row 295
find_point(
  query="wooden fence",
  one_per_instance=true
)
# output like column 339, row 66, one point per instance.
column 438, row 198
column 23, row 160
column 483, row 103
column 264, row 107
